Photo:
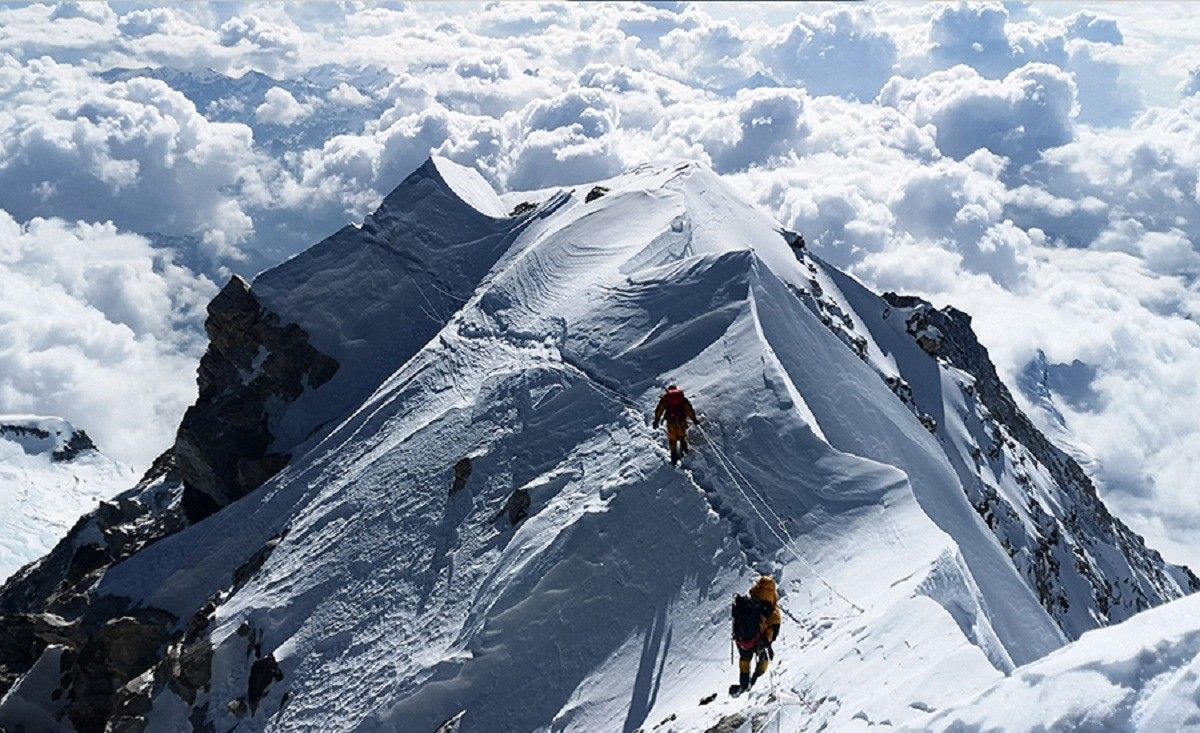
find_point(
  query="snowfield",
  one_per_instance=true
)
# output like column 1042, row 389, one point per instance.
column 1142, row 675
column 42, row 490
column 527, row 353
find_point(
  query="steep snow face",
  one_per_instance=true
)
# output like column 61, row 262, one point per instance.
column 390, row 602
column 1141, row 675
column 371, row 296
column 1087, row 568
column 470, row 187
column 498, row 367
column 50, row 475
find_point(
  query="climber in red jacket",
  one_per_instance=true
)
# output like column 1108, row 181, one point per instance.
column 675, row 407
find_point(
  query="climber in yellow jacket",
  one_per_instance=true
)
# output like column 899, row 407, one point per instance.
column 756, row 622
column 676, row 408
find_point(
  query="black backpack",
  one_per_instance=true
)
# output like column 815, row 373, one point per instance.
column 748, row 615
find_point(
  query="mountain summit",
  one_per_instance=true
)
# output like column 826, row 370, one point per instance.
column 329, row 544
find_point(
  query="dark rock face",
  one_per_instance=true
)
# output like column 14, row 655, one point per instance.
column 263, row 673
column 1079, row 540
column 119, row 527
column 254, row 365
column 795, row 240
column 516, row 507
column 78, row 443
column 23, row 638
column 452, row 725
column 120, row 650
column 462, row 472
column 523, row 208
column 51, row 601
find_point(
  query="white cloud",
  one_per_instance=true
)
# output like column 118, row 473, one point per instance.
column 348, row 96
column 1011, row 165
column 1018, row 117
column 980, row 35
column 714, row 54
column 281, row 108
column 261, row 44
column 97, row 325
column 565, row 140
column 840, row 53
column 137, row 152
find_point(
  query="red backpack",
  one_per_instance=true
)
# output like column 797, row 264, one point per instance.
column 676, row 411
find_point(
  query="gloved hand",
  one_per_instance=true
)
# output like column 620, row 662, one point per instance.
column 656, row 424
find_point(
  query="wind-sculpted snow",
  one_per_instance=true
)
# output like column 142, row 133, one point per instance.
column 390, row 604
column 1141, row 675
column 371, row 296
column 385, row 579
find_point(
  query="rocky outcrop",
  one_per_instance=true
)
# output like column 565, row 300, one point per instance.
column 117, row 659
column 78, row 444
column 68, row 442
column 23, row 638
column 254, row 366
column 121, row 649
column 462, row 472
column 115, row 530
column 1079, row 536
column 51, row 602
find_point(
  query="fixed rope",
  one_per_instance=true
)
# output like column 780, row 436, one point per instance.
column 730, row 468
column 786, row 538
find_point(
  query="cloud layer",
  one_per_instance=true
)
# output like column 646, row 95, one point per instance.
column 98, row 324
column 1036, row 166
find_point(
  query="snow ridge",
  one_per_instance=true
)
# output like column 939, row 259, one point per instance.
column 384, row 579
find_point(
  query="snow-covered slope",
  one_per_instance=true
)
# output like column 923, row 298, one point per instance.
column 379, row 582
column 50, row 475
column 1141, row 675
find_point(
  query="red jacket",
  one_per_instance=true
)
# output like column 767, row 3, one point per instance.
column 675, row 406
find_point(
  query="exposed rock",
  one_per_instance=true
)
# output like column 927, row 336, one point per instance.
column 25, row 431
column 247, row 570
column 116, row 529
column 122, row 649
column 919, row 323
column 199, row 720
column 263, row 673
column 191, row 669
column 462, row 472
column 78, row 443
column 1076, row 536
column 731, row 723
column 126, row 724
column 451, row 725
column 254, row 365
column 517, row 507
column 595, row 193
column 523, row 208
column 23, row 638
column 795, row 240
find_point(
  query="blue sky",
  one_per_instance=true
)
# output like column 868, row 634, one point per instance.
column 1034, row 165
